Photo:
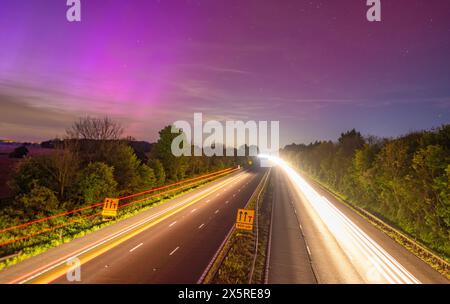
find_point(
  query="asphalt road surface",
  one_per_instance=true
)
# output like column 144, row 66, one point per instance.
column 317, row 239
column 175, row 247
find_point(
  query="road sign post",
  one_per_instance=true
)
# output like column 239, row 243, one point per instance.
column 110, row 207
column 244, row 219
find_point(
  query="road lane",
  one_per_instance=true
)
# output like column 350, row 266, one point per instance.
column 328, row 261
column 176, row 250
column 289, row 257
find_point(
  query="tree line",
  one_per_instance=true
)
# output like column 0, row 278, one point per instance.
column 405, row 180
column 95, row 161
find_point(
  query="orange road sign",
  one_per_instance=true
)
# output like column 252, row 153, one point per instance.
column 110, row 207
column 244, row 219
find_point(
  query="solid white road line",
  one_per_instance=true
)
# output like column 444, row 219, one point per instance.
column 201, row 226
column 217, row 211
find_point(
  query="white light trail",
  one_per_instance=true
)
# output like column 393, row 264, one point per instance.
column 373, row 263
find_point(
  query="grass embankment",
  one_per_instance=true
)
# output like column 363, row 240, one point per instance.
column 234, row 264
column 438, row 261
column 23, row 249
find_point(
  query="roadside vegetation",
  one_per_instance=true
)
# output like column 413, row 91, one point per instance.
column 61, row 230
column 238, row 262
column 405, row 181
column 94, row 161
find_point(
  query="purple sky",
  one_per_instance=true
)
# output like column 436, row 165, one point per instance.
column 319, row 67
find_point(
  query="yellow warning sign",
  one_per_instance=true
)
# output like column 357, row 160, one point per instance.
column 244, row 219
column 110, row 207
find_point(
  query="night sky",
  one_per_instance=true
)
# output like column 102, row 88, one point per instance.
column 319, row 67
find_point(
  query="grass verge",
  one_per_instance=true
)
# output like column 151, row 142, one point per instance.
column 236, row 261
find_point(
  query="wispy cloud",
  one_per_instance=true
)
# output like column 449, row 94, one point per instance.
column 21, row 120
column 212, row 68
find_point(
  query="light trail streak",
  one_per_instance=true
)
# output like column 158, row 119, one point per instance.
column 373, row 263
column 213, row 174
column 24, row 237
column 161, row 215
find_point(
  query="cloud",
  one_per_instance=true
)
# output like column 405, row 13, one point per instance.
column 215, row 69
column 21, row 120
column 239, row 48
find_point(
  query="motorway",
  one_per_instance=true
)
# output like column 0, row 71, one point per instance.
column 317, row 239
column 314, row 239
column 170, row 243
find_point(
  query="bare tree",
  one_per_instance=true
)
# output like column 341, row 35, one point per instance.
column 96, row 129
column 62, row 166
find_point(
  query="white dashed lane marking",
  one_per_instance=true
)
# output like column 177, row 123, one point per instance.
column 173, row 251
column 136, row 247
